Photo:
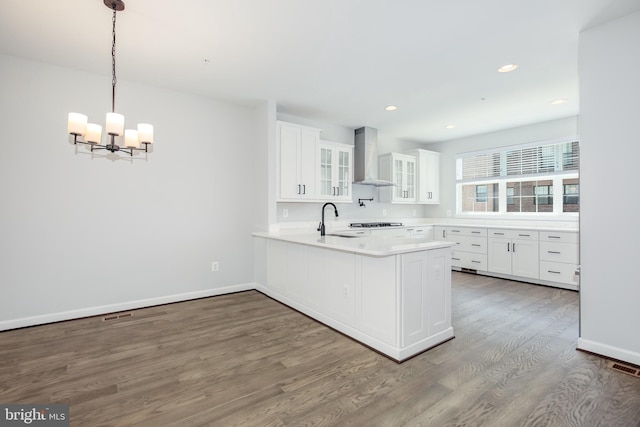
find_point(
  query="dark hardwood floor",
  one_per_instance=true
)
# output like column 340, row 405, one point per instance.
column 245, row 359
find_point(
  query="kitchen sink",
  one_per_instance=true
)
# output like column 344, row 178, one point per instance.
column 348, row 236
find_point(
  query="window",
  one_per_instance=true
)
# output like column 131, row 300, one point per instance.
column 481, row 193
column 480, row 198
column 530, row 178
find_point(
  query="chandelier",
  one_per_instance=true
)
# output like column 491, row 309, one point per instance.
column 91, row 133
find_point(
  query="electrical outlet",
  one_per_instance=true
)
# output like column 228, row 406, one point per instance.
column 215, row 266
column 285, row 213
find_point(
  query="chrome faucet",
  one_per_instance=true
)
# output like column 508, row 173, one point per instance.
column 321, row 226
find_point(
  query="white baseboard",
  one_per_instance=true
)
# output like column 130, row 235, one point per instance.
column 609, row 351
column 124, row 306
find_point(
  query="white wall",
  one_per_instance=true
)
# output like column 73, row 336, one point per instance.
column 82, row 235
column 610, row 148
column 545, row 131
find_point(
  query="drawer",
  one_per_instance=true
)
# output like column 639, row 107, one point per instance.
column 470, row 244
column 514, row 234
column 560, row 236
column 559, row 252
column 465, row 231
column 558, row 272
column 469, row 260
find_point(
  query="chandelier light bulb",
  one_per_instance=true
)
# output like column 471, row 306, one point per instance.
column 94, row 133
column 77, row 124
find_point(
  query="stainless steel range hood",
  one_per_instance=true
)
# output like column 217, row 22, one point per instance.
column 365, row 170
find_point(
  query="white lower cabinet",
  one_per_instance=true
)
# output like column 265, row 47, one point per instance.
column 559, row 257
column 543, row 257
column 399, row 305
column 513, row 252
column 470, row 251
column 426, row 289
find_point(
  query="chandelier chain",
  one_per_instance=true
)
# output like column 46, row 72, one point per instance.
column 114, row 80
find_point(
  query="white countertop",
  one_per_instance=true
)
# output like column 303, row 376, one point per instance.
column 368, row 245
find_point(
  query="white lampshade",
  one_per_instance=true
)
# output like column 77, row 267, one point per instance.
column 131, row 138
column 93, row 134
column 115, row 124
column 77, row 124
column 145, row 133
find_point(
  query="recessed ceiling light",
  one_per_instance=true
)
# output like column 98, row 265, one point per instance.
column 507, row 68
column 559, row 101
column 450, row 126
column 391, row 108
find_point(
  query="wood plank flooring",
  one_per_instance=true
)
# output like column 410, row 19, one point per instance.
column 246, row 360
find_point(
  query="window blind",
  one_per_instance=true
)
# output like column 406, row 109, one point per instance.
column 526, row 160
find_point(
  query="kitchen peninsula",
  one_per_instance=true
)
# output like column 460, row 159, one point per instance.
column 392, row 294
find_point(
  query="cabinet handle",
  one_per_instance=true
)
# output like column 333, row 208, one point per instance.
column 554, row 272
column 457, row 259
column 475, row 232
column 513, row 247
column 498, row 234
column 508, row 246
column 455, row 231
column 444, row 234
column 554, row 252
column 553, row 237
column 299, row 189
column 524, row 235
column 477, row 262
column 430, row 194
column 475, row 244
column 304, row 189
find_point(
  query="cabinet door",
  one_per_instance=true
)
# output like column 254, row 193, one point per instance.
column 308, row 148
column 431, row 191
column 398, row 179
column 410, row 180
column 327, row 186
column 499, row 255
column 524, row 255
column 344, row 172
column 289, row 142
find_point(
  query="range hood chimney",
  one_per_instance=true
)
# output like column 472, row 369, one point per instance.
column 365, row 159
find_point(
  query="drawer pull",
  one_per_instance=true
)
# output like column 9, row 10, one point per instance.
column 498, row 234
column 475, row 232
column 475, row 244
column 455, row 231
column 554, row 272
column 553, row 237
column 456, row 259
column 477, row 262
column 524, row 235
column 554, row 252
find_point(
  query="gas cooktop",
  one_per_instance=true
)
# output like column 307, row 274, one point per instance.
column 375, row 224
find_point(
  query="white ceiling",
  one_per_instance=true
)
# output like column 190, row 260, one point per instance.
column 334, row 61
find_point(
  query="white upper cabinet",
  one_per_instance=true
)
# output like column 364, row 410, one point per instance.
column 428, row 180
column 335, row 173
column 297, row 148
column 401, row 170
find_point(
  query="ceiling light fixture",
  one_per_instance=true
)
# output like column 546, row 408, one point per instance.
column 507, row 68
column 559, row 101
column 391, row 108
column 92, row 133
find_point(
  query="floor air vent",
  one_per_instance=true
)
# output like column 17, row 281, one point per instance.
column 116, row 316
column 627, row 369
